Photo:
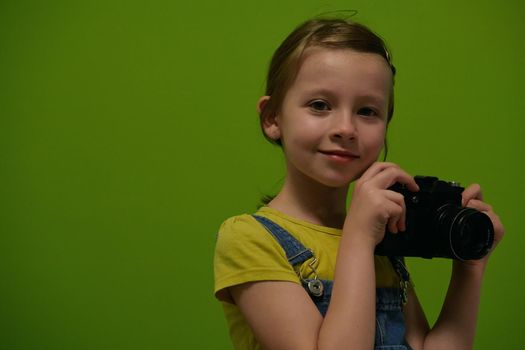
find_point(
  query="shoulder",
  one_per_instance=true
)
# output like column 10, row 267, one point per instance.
column 243, row 231
column 246, row 252
column 244, row 224
column 243, row 235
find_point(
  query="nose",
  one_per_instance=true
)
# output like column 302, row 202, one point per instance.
column 344, row 127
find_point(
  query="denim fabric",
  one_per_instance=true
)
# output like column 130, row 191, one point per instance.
column 390, row 324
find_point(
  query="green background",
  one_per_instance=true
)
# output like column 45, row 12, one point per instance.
column 128, row 133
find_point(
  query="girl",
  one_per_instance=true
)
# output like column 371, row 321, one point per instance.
column 301, row 273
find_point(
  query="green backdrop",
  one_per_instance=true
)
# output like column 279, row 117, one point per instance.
column 128, row 133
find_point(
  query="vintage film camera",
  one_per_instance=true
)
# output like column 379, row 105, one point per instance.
column 437, row 225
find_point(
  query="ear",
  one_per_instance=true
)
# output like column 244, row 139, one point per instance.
column 269, row 122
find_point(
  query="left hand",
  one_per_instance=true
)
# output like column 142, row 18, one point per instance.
column 472, row 197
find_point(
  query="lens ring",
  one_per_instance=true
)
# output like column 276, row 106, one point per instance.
column 482, row 225
column 450, row 233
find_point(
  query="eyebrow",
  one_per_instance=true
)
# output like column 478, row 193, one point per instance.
column 376, row 98
column 320, row 91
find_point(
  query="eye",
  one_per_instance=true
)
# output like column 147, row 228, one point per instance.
column 368, row 112
column 319, row 106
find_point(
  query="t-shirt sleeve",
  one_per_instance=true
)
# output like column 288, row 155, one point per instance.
column 246, row 252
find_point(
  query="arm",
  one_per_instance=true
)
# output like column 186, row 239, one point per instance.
column 456, row 324
column 282, row 315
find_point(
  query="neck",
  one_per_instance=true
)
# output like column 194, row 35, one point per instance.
column 308, row 200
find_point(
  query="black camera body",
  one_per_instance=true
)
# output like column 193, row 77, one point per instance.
column 437, row 225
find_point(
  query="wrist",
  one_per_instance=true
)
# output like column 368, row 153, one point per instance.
column 358, row 241
column 469, row 267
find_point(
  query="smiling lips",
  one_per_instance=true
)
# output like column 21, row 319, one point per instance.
column 340, row 155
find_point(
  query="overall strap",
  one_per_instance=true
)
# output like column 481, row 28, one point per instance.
column 404, row 278
column 296, row 253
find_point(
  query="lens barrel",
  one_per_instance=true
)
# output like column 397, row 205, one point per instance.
column 465, row 233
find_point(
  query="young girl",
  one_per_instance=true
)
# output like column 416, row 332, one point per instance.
column 301, row 273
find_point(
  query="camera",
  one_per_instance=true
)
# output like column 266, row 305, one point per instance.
column 437, row 225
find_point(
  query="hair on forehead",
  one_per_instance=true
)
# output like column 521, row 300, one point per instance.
column 323, row 33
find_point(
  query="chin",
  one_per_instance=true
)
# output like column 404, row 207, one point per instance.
column 336, row 183
column 340, row 180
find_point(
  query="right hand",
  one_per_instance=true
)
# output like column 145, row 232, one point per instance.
column 374, row 208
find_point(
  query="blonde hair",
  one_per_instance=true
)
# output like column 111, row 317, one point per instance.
column 325, row 33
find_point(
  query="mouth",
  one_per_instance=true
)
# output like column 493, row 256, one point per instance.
column 340, row 155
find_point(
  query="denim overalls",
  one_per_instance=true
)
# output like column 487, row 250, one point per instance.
column 390, row 325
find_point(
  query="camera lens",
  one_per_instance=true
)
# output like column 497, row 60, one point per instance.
column 469, row 232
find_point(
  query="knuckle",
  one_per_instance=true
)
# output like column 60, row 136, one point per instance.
column 377, row 201
column 398, row 211
column 399, row 197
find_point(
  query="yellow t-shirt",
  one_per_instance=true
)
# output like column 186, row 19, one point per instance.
column 246, row 252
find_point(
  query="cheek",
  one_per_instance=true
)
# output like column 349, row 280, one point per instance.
column 304, row 134
column 374, row 140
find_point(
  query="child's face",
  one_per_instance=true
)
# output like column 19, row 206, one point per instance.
column 333, row 118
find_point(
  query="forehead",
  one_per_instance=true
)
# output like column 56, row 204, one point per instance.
column 344, row 70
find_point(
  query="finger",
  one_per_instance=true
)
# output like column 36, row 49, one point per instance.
column 398, row 199
column 471, row 192
column 391, row 175
column 396, row 211
column 479, row 205
column 486, row 209
column 392, row 225
column 375, row 169
column 402, row 221
column 499, row 230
